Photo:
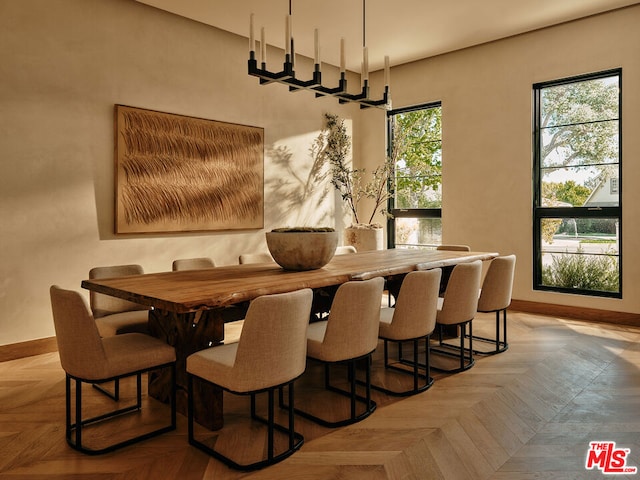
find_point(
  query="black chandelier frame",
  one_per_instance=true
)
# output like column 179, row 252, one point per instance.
column 287, row 76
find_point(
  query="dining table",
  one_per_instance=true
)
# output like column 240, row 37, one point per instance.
column 188, row 308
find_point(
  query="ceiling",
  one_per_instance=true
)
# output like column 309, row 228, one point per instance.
column 405, row 30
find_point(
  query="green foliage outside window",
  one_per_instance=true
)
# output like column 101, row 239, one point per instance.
column 417, row 149
column 583, row 272
column 568, row 192
column 567, row 111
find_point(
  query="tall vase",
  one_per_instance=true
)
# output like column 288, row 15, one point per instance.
column 364, row 237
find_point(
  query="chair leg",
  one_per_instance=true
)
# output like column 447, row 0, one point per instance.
column 368, row 386
column 427, row 347
column 505, row 345
column 253, row 406
column 75, row 430
column 498, row 331
column 470, row 342
column 270, row 427
column 462, row 352
column 292, row 433
column 296, row 440
column 386, row 352
column 458, row 352
column 139, row 390
column 415, row 366
column 352, row 384
column 500, row 344
column 290, row 411
column 67, row 404
column 116, row 390
column 78, row 413
column 354, row 398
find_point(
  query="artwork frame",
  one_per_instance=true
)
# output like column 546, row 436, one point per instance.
column 176, row 173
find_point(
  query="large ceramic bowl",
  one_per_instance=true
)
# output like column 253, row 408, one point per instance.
column 297, row 250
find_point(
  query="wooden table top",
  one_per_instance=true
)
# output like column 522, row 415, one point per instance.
column 193, row 290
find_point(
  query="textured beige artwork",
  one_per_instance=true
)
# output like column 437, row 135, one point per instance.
column 178, row 174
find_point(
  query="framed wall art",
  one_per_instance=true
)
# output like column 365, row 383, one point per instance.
column 183, row 174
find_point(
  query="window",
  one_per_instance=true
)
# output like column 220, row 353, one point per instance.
column 415, row 144
column 577, row 202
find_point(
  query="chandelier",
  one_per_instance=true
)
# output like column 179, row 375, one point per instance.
column 288, row 75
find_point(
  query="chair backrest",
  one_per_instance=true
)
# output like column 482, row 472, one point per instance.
column 458, row 248
column 497, row 284
column 102, row 305
column 79, row 345
column 460, row 300
column 255, row 258
column 346, row 249
column 273, row 344
column 415, row 310
column 192, row 264
column 353, row 323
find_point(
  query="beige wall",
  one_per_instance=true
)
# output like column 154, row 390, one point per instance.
column 486, row 95
column 64, row 65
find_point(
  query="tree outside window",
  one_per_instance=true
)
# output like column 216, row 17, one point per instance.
column 577, row 207
column 415, row 142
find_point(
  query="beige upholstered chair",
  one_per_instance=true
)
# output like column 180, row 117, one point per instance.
column 322, row 297
column 271, row 354
column 458, row 307
column 192, row 263
column 115, row 315
column 232, row 314
column 346, row 249
column 495, row 296
column 349, row 334
column 446, row 272
column 88, row 358
column 255, row 258
column 457, row 248
column 413, row 318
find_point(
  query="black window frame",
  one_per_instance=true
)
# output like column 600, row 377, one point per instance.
column 540, row 212
column 406, row 212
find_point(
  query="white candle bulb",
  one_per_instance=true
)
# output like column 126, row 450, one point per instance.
column 252, row 44
column 365, row 63
column 387, row 74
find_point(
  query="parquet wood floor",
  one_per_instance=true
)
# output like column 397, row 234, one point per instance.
column 528, row 413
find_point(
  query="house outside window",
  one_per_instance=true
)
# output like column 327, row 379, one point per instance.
column 613, row 186
column 577, row 206
column 415, row 143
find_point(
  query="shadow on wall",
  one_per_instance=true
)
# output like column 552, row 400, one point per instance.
column 297, row 192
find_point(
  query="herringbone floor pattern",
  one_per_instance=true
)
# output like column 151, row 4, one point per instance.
column 528, row 413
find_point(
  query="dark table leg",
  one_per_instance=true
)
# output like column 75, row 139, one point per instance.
column 188, row 333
